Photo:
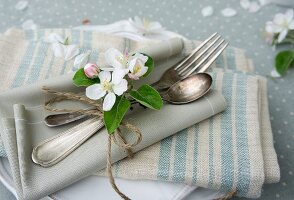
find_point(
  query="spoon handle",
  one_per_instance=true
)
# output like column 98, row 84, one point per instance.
column 55, row 149
column 62, row 119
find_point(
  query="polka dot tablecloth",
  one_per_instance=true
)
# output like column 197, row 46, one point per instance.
column 184, row 17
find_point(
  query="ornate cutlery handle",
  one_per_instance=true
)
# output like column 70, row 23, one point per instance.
column 55, row 149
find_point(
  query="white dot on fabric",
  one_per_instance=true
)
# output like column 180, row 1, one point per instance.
column 278, row 195
column 290, row 173
column 284, row 184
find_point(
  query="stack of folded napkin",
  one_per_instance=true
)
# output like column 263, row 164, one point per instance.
column 230, row 151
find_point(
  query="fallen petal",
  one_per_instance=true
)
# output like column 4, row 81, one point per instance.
column 254, row 7
column 245, row 4
column 207, row 11
column 21, row 5
column 229, row 12
column 275, row 74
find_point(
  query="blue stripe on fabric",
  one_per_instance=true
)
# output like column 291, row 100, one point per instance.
column 180, row 156
column 164, row 159
column 39, row 61
column 195, row 154
column 88, row 39
column 227, row 165
column 242, row 140
column 23, row 67
column 211, row 148
column 29, row 34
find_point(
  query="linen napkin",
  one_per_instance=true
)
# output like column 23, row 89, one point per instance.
column 231, row 59
column 22, row 129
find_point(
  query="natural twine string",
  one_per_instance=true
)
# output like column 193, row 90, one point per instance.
column 117, row 138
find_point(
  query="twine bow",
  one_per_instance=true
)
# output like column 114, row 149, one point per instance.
column 97, row 111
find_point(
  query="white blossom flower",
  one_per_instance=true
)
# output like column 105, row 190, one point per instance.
column 137, row 66
column 229, row 12
column 145, row 26
column 109, row 87
column 281, row 24
column 61, row 48
column 67, row 52
column 118, row 63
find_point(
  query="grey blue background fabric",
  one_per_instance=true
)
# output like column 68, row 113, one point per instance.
column 243, row 31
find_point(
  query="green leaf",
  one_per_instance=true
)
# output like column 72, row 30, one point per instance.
column 284, row 60
column 149, row 64
column 147, row 96
column 113, row 118
column 66, row 41
column 80, row 79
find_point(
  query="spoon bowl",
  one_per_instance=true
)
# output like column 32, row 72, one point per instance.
column 188, row 89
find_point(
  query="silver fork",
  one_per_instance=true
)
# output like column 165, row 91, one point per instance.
column 198, row 61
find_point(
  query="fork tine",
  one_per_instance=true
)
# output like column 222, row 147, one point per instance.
column 187, row 73
column 195, row 50
column 205, row 67
column 200, row 55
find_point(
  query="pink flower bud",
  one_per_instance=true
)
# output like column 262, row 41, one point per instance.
column 91, row 70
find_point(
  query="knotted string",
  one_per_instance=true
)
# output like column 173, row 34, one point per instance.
column 97, row 110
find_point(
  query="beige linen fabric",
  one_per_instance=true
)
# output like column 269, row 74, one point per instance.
column 149, row 157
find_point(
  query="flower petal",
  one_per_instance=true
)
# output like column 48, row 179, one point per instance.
column 140, row 56
column 107, row 68
column 21, row 5
column 120, row 88
column 291, row 25
column 54, row 38
column 254, row 7
column 111, row 57
column 132, row 64
column 104, row 76
column 81, row 60
column 289, row 15
column 58, row 50
column 279, row 19
column 282, row 35
column 109, row 101
column 245, row 4
column 95, row 91
column 70, row 51
column 207, row 11
column 142, row 71
column 275, row 74
column 229, row 12
column 117, row 76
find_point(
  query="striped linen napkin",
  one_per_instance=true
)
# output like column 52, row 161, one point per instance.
column 229, row 152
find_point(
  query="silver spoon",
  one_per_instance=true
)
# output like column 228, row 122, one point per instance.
column 55, row 149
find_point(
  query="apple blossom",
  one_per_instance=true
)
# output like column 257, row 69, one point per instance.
column 108, row 87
